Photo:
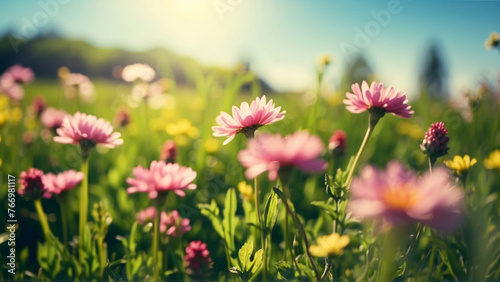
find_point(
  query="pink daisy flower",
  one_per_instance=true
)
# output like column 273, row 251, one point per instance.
column 247, row 119
column 174, row 224
column 269, row 153
column 53, row 118
column 14, row 90
column 32, row 186
column 12, row 79
column 161, row 178
column 146, row 216
column 19, row 74
column 400, row 197
column 62, row 182
column 375, row 97
column 87, row 129
column 197, row 258
column 78, row 84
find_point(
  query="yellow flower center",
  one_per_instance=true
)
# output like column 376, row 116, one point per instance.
column 400, row 197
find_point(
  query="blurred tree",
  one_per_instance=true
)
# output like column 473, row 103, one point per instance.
column 434, row 75
column 45, row 53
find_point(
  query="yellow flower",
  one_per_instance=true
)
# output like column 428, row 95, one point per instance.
column 4, row 102
column 3, row 118
column 324, row 60
column 212, row 145
column 492, row 41
column 246, row 191
column 330, row 245
column 63, row 72
column 493, row 160
column 182, row 127
column 459, row 164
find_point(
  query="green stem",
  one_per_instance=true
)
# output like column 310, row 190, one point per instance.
column 288, row 246
column 389, row 251
column 304, row 235
column 84, row 202
column 64, row 223
column 431, row 262
column 369, row 132
column 43, row 219
column 228, row 259
column 335, row 222
column 328, row 264
column 102, row 256
column 154, row 247
column 420, row 228
column 432, row 161
column 262, row 231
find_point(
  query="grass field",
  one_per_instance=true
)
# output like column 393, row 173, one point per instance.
column 186, row 115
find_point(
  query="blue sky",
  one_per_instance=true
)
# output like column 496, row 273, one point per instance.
column 282, row 38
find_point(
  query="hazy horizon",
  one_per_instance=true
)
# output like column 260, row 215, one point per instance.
column 282, row 40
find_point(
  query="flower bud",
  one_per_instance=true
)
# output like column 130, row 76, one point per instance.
column 31, row 184
column 435, row 143
column 337, row 144
column 169, row 152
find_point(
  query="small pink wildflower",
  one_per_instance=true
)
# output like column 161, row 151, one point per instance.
column 376, row 98
column 32, row 186
column 161, row 178
column 82, row 128
column 269, row 153
column 197, row 258
column 53, row 118
column 247, row 119
column 62, row 182
column 400, row 197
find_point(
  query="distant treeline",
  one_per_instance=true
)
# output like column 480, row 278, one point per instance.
column 46, row 54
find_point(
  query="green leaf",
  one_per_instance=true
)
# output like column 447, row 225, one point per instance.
column 400, row 270
column 23, row 257
column 212, row 213
column 248, row 267
column 451, row 261
column 117, row 263
column 257, row 261
column 229, row 221
column 278, row 192
column 286, row 269
column 170, row 272
column 328, row 208
column 49, row 260
column 132, row 240
column 136, row 265
column 271, row 212
column 244, row 255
